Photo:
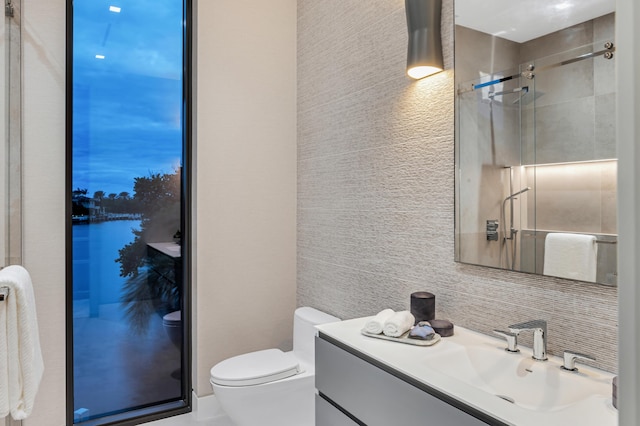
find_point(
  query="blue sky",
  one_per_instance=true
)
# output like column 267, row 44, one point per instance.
column 127, row 106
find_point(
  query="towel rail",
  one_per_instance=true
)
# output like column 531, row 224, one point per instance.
column 606, row 242
column 543, row 234
column 4, row 293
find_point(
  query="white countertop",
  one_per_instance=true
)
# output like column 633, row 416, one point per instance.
column 170, row 249
column 413, row 361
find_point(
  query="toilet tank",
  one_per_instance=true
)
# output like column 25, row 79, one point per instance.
column 304, row 332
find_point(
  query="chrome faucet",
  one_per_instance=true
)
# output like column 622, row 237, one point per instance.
column 570, row 358
column 539, row 328
column 511, row 338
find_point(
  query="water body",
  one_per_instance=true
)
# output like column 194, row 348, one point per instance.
column 96, row 274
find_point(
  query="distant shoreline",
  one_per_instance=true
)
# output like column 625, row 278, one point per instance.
column 107, row 217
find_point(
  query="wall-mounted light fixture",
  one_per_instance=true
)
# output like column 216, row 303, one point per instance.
column 424, row 56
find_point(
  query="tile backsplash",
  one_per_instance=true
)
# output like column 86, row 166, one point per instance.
column 376, row 189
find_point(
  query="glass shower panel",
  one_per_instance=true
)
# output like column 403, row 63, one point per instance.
column 570, row 158
column 488, row 126
column 128, row 144
column 574, row 103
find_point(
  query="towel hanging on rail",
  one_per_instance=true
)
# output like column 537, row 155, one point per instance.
column 573, row 256
column 21, row 364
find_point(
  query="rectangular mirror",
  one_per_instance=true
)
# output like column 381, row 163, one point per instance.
column 536, row 164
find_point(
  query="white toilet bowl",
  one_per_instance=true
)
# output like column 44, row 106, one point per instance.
column 172, row 323
column 271, row 387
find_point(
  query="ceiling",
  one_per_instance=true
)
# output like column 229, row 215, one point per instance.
column 524, row 20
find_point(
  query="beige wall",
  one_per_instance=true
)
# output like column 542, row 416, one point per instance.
column 376, row 189
column 246, row 173
column 43, row 37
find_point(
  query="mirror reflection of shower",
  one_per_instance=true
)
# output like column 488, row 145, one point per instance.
column 509, row 241
column 535, row 105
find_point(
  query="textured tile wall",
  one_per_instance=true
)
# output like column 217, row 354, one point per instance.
column 376, row 189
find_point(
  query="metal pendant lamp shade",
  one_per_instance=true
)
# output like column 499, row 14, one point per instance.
column 424, row 56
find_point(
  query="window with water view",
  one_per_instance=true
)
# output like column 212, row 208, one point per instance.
column 127, row 167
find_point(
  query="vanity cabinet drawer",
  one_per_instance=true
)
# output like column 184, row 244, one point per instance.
column 328, row 415
column 376, row 397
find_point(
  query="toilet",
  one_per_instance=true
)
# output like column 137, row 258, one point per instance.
column 272, row 387
column 172, row 323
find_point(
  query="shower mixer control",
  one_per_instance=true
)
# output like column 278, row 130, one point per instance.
column 492, row 230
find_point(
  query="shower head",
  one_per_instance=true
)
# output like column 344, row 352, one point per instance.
column 527, row 96
column 523, row 91
column 520, row 90
column 517, row 193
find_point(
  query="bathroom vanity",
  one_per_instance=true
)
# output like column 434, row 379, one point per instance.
column 464, row 380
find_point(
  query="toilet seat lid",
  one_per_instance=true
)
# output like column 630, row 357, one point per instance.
column 255, row 368
column 173, row 316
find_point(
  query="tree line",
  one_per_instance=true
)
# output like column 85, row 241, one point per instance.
column 104, row 203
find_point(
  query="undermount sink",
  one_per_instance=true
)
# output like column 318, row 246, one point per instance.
column 518, row 378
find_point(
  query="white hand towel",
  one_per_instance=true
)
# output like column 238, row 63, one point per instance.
column 376, row 324
column 20, row 352
column 399, row 323
column 573, row 256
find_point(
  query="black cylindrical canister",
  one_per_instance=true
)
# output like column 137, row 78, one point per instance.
column 423, row 306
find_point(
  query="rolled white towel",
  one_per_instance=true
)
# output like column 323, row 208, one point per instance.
column 376, row 324
column 398, row 324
